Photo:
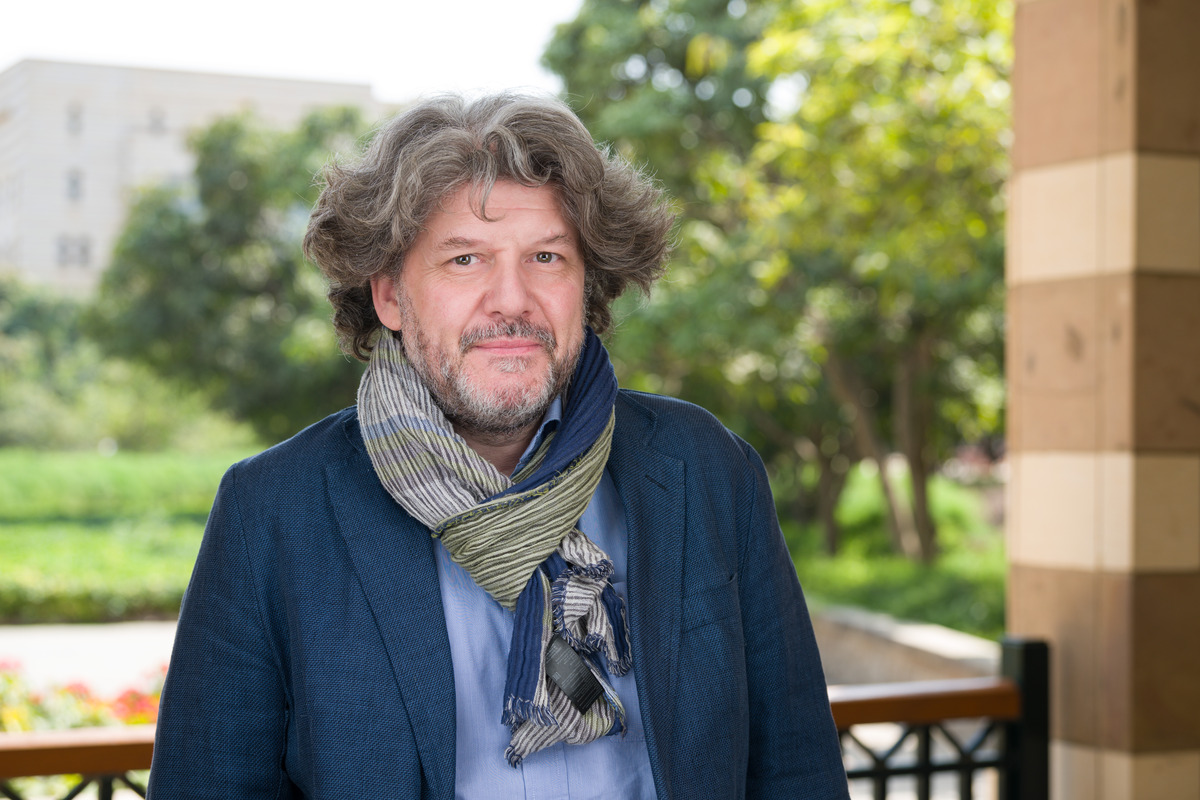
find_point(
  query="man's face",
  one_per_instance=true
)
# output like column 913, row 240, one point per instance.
column 491, row 312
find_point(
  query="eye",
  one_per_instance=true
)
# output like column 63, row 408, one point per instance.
column 545, row 258
column 463, row 261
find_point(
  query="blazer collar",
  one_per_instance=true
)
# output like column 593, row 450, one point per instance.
column 651, row 486
column 393, row 556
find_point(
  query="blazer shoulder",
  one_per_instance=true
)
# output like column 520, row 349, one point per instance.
column 678, row 428
column 656, row 410
column 295, row 460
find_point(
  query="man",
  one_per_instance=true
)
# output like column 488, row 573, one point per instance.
column 498, row 575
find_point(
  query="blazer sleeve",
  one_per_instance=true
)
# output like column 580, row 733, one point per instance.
column 794, row 751
column 222, row 727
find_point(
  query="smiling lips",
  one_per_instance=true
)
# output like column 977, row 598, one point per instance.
column 509, row 347
column 509, row 339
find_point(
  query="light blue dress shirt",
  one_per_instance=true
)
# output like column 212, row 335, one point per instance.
column 480, row 632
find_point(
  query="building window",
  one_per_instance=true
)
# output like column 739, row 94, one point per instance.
column 75, row 118
column 157, row 120
column 74, row 251
column 75, row 184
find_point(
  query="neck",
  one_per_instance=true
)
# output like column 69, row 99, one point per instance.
column 503, row 450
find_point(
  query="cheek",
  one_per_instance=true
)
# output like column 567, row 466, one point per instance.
column 587, row 288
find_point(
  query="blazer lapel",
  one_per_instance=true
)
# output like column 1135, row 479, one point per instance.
column 651, row 486
column 393, row 556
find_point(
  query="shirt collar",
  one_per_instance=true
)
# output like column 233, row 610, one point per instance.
column 550, row 423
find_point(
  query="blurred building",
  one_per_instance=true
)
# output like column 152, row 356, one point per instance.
column 76, row 140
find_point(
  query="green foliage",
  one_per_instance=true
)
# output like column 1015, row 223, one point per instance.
column 665, row 81
column 892, row 153
column 963, row 589
column 836, row 292
column 861, row 514
column 964, row 592
column 60, row 392
column 85, row 537
column 890, row 160
column 208, row 285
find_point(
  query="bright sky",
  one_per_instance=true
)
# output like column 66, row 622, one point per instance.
column 402, row 48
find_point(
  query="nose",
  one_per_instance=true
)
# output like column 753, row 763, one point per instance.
column 508, row 293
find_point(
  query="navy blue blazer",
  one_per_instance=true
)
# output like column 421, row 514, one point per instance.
column 312, row 659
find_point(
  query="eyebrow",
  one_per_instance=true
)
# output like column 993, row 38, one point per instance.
column 456, row 243
column 463, row 243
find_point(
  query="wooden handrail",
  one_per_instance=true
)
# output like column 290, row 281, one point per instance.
column 925, row 702
column 85, row 751
column 107, row 751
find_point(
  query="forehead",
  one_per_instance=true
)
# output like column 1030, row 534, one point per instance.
column 470, row 205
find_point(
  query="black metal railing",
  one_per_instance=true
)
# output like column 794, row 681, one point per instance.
column 924, row 726
column 968, row 730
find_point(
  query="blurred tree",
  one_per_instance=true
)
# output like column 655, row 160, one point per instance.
column 59, row 392
column 890, row 159
column 836, row 292
column 665, row 81
column 208, row 285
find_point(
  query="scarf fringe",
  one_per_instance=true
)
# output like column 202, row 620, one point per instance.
column 514, row 758
column 518, row 710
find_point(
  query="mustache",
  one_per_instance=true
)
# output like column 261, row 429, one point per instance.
column 517, row 328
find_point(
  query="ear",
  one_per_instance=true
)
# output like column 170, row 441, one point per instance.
column 387, row 305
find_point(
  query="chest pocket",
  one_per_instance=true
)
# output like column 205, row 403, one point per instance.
column 711, row 604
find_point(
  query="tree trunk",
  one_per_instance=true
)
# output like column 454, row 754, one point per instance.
column 846, row 388
column 829, row 489
column 913, row 409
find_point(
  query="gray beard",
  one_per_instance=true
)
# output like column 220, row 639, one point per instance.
column 473, row 409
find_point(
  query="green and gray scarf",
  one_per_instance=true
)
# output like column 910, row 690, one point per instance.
column 518, row 538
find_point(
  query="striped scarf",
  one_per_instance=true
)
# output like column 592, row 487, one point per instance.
column 516, row 537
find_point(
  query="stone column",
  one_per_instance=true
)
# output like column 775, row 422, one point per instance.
column 1104, row 386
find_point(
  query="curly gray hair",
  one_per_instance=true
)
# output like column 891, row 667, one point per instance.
column 370, row 211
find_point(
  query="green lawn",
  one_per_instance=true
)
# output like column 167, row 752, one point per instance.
column 963, row 589
column 88, row 537
column 85, row 537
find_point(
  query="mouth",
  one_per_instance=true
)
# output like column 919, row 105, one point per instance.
column 508, row 339
column 508, row 347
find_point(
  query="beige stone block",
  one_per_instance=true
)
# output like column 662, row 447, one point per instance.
column 1056, row 82
column 1168, row 213
column 1167, row 513
column 1056, row 213
column 1118, row 76
column 1117, row 334
column 1052, row 359
column 1149, row 213
column 1012, row 242
column 1150, row 512
column 1056, row 502
column 1166, row 363
column 1118, row 212
column 1117, row 485
column 1065, row 607
column 1158, row 776
column 1073, row 772
column 1168, row 75
column 1164, row 645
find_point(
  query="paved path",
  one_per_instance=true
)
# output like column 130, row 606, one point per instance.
column 108, row 658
